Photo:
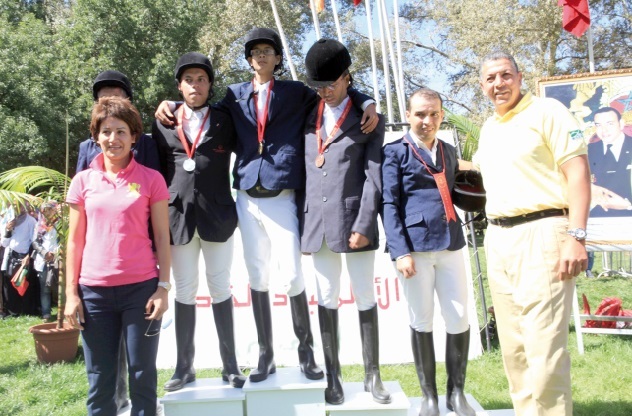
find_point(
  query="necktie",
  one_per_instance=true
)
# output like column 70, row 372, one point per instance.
column 610, row 160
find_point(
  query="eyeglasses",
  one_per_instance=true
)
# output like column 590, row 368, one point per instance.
column 330, row 87
column 152, row 332
column 266, row 52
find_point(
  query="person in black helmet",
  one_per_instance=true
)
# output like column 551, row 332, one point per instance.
column 269, row 117
column 109, row 84
column 339, row 215
column 424, row 237
column 194, row 159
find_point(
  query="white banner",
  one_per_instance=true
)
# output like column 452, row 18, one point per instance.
column 393, row 319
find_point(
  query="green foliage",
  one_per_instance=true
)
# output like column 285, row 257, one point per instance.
column 468, row 131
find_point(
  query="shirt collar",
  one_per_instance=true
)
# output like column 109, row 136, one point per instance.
column 99, row 165
column 421, row 144
column 524, row 102
column 198, row 114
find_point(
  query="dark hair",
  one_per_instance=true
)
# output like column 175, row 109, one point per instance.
column 425, row 92
column 116, row 107
column 496, row 56
column 607, row 110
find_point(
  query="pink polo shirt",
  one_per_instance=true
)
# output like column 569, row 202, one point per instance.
column 118, row 249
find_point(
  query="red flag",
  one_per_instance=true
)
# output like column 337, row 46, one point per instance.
column 356, row 2
column 576, row 16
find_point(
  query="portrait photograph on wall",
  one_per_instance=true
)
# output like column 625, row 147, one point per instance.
column 602, row 104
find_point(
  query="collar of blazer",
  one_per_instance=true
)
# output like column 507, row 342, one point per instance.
column 247, row 95
column 423, row 153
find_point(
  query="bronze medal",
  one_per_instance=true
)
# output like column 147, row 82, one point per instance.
column 320, row 160
column 260, row 148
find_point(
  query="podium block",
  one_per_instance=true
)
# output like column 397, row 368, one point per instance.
column 209, row 396
column 360, row 403
column 416, row 405
column 286, row 393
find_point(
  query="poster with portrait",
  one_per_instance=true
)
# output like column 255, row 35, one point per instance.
column 602, row 104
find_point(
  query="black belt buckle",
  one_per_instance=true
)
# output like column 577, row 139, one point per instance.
column 258, row 191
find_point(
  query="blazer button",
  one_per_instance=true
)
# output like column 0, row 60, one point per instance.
column 327, row 150
column 324, row 173
column 443, row 217
column 324, row 199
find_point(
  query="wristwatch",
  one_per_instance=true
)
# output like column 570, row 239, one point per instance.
column 578, row 234
column 165, row 285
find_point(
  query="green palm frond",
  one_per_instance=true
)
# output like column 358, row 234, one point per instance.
column 469, row 130
column 32, row 178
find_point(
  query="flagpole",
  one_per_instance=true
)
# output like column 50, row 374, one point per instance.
column 391, row 54
column 387, row 78
column 334, row 9
column 288, row 55
column 591, row 57
column 369, row 23
column 312, row 4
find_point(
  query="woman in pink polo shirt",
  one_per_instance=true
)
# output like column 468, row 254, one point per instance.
column 114, row 285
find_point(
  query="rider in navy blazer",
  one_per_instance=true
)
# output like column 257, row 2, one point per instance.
column 413, row 214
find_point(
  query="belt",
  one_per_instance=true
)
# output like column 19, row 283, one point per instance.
column 17, row 255
column 509, row 222
column 258, row 191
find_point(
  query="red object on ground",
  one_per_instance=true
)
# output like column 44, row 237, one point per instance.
column 576, row 16
column 607, row 307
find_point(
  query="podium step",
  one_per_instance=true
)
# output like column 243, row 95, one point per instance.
column 416, row 404
column 207, row 396
column 286, row 393
column 358, row 402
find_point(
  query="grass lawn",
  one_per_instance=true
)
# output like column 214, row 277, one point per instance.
column 601, row 377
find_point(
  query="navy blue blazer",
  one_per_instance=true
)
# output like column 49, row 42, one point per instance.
column 614, row 177
column 412, row 211
column 282, row 165
column 200, row 199
column 145, row 153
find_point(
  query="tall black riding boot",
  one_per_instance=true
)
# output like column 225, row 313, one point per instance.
column 263, row 321
column 225, row 326
column 425, row 364
column 371, row 355
column 185, row 344
column 303, row 331
column 456, row 350
column 328, row 320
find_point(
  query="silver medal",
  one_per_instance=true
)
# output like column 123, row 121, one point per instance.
column 189, row 165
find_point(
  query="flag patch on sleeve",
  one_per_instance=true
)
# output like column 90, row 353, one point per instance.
column 576, row 134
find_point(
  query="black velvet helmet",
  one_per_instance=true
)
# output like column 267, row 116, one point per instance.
column 193, row 60
column 267, row 36
column 325, row 62
column 469, row 192
column 111, row 78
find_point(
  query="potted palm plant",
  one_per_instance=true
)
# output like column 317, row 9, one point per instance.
column 56, row 341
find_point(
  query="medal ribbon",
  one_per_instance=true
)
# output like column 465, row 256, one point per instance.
column 319, row 123
column 183, row 139
column 261, row 125
column 440, row 180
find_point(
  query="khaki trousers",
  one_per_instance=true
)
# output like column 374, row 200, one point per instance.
column 532, row 308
